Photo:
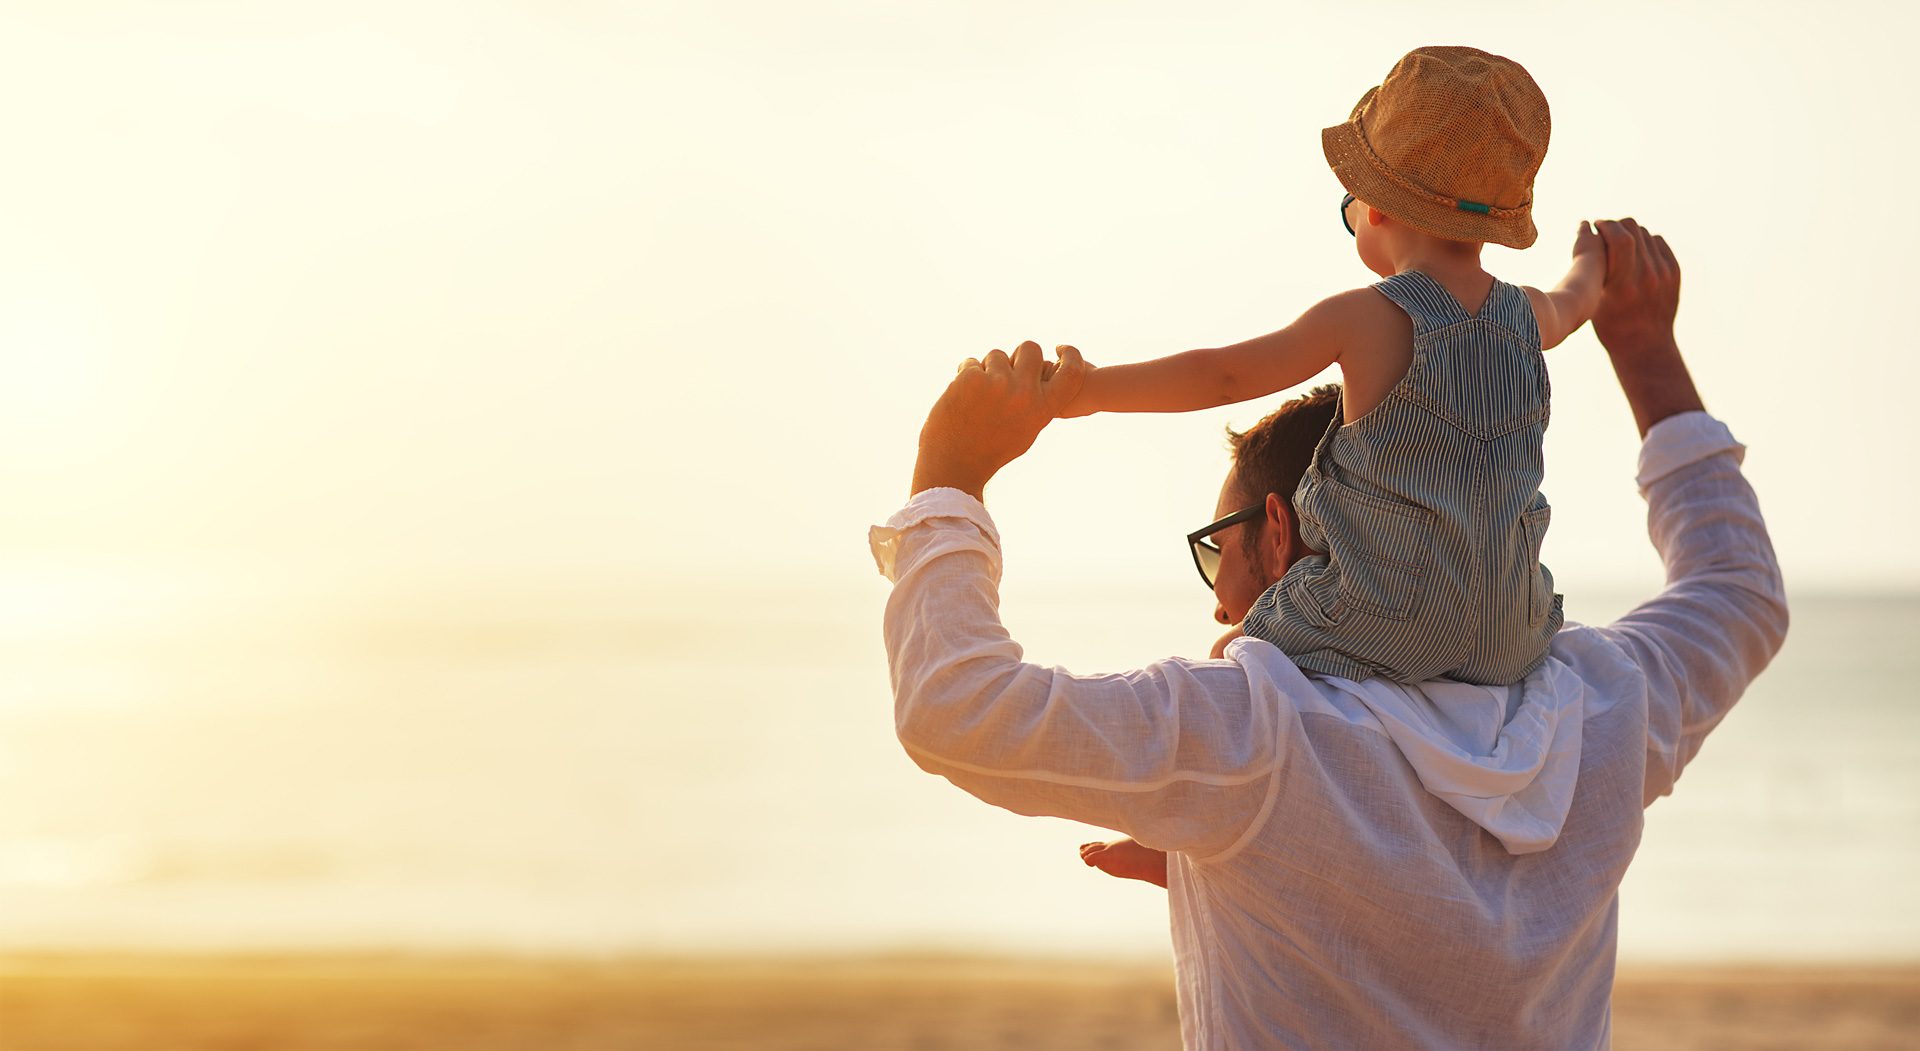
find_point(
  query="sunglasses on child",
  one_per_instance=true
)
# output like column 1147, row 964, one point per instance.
column 1206, row 553
column 1345, row 203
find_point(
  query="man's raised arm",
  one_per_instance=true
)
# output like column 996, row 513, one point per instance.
column 1723, row 614
column 1180, row 755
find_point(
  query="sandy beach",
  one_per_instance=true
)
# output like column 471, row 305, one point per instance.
column 310, row 1004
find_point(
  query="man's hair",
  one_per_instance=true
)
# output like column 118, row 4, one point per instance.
column 1270, row 456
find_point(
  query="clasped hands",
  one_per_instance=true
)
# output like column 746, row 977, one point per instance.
column 991, row 413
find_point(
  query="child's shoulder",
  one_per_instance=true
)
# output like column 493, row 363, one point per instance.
column 1374, row 338
column 1537, row 299
column 1364, row 316
column 1360, row 306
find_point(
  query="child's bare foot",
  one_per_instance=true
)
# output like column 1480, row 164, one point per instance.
column 1128, row 860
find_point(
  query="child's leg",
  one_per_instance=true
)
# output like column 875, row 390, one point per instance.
column 1128, row 860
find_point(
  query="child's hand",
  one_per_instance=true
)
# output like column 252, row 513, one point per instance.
column 1589, row 243
column 1069, row 375
column 1220, row 644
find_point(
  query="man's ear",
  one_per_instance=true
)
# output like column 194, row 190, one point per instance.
column 1277, row 539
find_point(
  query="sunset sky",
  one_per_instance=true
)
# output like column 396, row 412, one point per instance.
column 661, row 291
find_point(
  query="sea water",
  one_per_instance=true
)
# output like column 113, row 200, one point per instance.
column 589, row 774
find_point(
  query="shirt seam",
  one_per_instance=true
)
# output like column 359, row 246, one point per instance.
column 1260, row 818
column 1097, row 783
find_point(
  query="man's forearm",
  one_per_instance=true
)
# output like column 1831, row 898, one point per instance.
column 936, row 473
column 1634, row 321
column 1655, row 380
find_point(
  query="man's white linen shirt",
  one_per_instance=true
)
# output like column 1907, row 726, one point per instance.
column 1360, row 864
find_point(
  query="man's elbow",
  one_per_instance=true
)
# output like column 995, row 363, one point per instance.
column 1769, row 608
column 946, row 715
column 910, row 727
column 912, row 718
column 1764, row 613
column 1774, row 623
column 936, row 740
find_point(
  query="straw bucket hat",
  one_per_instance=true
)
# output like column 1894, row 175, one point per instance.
column 1448, row 144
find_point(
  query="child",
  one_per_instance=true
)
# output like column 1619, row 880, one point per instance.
column 1424, row 494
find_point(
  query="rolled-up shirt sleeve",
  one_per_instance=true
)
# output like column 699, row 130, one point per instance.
column 1723, row 614
column 1180, row 755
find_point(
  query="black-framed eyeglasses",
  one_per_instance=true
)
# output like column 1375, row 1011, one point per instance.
column 1206, row 553
column 1345, row 203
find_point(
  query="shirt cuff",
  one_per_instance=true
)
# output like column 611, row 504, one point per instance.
column 1681, row 440
column 925, row 506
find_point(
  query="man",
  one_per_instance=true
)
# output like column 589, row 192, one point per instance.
column 1353, row 864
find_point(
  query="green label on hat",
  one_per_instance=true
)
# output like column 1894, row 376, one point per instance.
column 1472, row 206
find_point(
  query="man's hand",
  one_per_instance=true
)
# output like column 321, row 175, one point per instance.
column 1642, row 290
column 1635, row 323
column 991, row 413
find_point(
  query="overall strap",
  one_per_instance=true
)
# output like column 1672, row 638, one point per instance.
column 1509, row 307
column 1427, row 303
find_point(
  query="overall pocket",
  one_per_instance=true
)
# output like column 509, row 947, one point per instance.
column 1383, row 549
column 1533, row 525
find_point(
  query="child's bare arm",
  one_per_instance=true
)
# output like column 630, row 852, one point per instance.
column 1202, row 379
column 1571, row 304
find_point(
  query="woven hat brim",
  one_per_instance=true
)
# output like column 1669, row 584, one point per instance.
column 1359, row 171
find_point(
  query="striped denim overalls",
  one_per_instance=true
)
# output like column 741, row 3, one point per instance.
column 1429, row 510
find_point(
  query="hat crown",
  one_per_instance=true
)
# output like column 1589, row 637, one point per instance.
column 1461, row 123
